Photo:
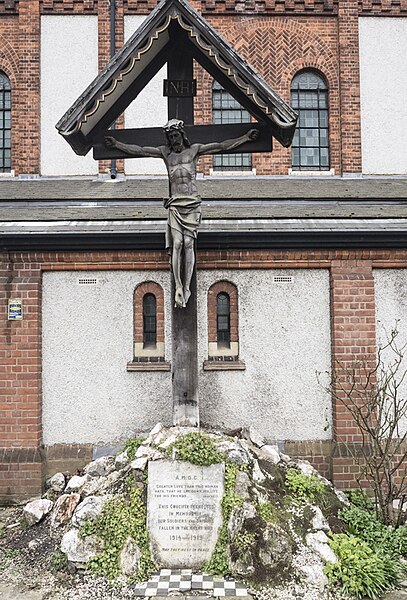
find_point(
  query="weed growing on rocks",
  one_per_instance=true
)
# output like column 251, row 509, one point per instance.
column 131, row 447
column 218, row 563
column 197, row 449
column 120, row 519
column 304, row 487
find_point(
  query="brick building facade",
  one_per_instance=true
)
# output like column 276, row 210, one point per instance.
column 347, row 227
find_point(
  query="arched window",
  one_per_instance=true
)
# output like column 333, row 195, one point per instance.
column 225, row 109
column 5, row 124
column 223, row 328
column 223, row 319
column 309, row 97
column 149, row 320
column 148, row 329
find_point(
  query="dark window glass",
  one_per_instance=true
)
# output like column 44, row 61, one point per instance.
column 225, row 109
column 149, row 320
column 5, row 124
column 309, row 97
column 223, row 319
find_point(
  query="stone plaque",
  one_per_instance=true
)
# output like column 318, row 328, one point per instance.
column 183, row 512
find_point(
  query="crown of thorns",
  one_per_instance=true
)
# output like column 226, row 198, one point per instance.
column 174, row 124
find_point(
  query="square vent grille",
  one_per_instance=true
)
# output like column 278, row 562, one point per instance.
column 282, row 279
column 87, row 281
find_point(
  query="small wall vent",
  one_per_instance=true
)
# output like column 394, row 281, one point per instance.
column 282, row 279
column 87, row 281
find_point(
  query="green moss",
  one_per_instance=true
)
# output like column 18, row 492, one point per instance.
column 197, row 449
column 58, row 561
column 218, row 564
column 131, row 447
column 266, row 512
column 119, row 520
column 244, row 541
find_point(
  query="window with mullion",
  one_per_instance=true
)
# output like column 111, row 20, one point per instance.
column 223, row 319
column 5, row 124
column 225, row 110
column 309, row 97
column 149, row 320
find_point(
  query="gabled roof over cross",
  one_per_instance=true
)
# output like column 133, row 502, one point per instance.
column 173, row 32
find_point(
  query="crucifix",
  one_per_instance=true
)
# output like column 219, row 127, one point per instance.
column 174, row 33
column 184, row 217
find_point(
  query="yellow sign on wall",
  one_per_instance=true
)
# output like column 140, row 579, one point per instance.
column 15, row 309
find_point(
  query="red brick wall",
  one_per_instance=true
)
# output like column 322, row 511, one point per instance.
column 353, row 336
column 278, row 48
column 278, row 37
column 350, row 133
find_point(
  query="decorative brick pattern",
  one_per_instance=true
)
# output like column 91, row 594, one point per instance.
column 278, row 48
column 278, row 37
column 8, row 6
column 70, row 6
column 270, row 6
column 381, row 8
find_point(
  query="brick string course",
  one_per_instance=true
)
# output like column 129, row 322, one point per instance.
column 278, row 37
column 23, row 459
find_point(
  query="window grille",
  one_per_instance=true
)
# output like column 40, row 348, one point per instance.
column 223, row 319
column 225, row 109
column 309, row 97
column 149, row 320
column 5, row 124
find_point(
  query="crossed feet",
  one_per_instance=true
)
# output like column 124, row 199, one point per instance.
column 181, row 297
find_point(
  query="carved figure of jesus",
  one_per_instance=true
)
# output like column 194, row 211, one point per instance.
column 184, row 203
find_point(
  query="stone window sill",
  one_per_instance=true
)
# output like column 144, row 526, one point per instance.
column 150, row 364
column 224, row 363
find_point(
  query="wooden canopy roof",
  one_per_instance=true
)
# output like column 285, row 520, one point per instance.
column 173, row 23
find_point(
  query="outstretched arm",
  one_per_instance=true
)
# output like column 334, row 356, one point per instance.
column 215, row 147
column 133, row 149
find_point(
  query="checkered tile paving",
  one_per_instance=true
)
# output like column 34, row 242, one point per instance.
column 184, row 580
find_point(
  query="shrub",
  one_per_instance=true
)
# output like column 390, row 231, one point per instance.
column 360, row 571
column 360, row 499
column 197, row 449
column 365, row 525
column 304, row 487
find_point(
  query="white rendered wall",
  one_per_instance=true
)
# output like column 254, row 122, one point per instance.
column 284, row 339
column 88, row 396
column 383, row 80
column 149, row 109
column 69, row 62
column 391, row 312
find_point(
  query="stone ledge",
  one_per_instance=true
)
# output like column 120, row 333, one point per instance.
column 224, row 365
column 149, row 366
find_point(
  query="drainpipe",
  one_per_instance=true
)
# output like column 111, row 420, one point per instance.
column 113, row 170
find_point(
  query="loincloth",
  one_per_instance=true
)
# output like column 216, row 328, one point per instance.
column 184, row 215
